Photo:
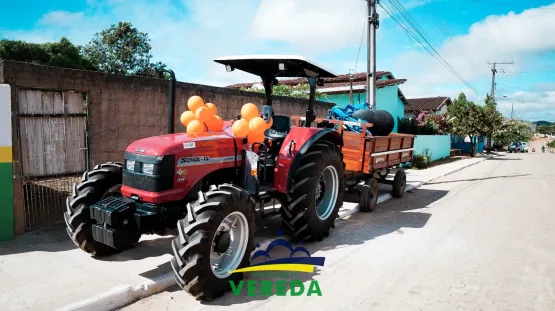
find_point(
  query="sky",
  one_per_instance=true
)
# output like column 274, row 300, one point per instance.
column 465, row 35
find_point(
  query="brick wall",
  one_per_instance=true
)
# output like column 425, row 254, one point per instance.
column 123, row 109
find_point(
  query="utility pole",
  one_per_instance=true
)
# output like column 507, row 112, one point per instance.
column 512, row 109
column 494, row 71
column 350, row 87
column 373, row 24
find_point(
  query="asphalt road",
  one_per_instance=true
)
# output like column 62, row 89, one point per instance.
column 479, row 239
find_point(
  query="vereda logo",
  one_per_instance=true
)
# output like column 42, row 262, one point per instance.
column 273, row 275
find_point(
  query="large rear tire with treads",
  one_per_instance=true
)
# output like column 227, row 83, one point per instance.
column 312, row 205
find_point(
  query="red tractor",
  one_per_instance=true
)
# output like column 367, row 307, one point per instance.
column 213, row 186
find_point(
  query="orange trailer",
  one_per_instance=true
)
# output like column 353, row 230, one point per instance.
column 368, row 159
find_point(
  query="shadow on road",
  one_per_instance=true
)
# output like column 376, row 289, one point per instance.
column 476, row 179
column 51, row 238
column 503, row 159
column 390, row 217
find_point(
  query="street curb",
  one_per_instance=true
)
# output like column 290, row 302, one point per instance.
column 123, row 295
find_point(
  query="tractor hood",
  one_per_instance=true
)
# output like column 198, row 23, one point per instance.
column 176, row 143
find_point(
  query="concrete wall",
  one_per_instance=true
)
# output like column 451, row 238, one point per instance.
column 123, row 109
column 464, row 144
column 438, row 145
column 6, row 187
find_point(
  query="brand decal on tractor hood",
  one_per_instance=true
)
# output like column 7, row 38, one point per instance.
column 201, row 160
column 189, row 145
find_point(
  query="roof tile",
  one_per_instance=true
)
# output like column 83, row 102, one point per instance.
column 426, row 103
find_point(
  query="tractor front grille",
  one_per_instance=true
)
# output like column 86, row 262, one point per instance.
column 163, row 173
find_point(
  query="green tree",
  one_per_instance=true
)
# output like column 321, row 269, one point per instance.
column 512, row 130
column 298, row 91
column 491, row 119
column 59, row 54
column 123, row 49
column 467, row 119
column 545, row 129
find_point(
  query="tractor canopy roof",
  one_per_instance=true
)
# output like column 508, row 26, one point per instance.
column 273, row 66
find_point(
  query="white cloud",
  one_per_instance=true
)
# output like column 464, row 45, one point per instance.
column 325, row 24
column 531, row 106
column 61, row 18
column 518, row 37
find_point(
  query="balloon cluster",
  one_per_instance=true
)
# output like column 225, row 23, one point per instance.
column 251, row 125
column 201, row 117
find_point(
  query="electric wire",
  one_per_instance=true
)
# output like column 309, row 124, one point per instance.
column 418, row 34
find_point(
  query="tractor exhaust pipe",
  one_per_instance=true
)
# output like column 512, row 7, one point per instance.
column 171, row 100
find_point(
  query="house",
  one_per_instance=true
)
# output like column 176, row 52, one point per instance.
column 434, row 105
column 337, row 90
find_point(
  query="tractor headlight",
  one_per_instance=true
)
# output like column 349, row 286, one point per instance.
column 130, row 165
column 148, row 169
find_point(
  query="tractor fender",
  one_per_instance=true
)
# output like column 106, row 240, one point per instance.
column 295, row 145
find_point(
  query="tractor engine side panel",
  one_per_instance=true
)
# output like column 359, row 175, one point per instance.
column 192, row 161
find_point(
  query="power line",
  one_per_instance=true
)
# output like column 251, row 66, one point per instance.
column 503, row 4
column 532, row 71
column 418, row 34
column 361, row 39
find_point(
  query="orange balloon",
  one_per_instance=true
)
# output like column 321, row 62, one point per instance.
column 212, row 108
column 255, row 137
column 195, row 127
column 187, row 117
column 194, row 103
column 269, row 125
column 240, row 128
column 203, row 114
column 249, row 111
column 257, row 125
column 215, row 124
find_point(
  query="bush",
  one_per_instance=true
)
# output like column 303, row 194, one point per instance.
column 425, row 124
column 422, row 161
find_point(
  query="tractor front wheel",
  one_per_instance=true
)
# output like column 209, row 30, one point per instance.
column 104, row 180
column 216, row 238
column 316, row 195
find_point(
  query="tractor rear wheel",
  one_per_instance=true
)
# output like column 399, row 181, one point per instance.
column 215, row 238
column 104, row 180
column 316, row 195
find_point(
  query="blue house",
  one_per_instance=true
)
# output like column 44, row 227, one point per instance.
column 337, row 90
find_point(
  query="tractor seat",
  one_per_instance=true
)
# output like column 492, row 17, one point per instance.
column 279, row 130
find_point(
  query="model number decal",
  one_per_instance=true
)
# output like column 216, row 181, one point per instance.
column 201, row 160
column 192, row 160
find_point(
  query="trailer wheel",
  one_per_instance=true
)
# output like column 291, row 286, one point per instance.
column 369, row 196
column 317, row 193
column 102, row 181
column 399, row 184
column 215, row 238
